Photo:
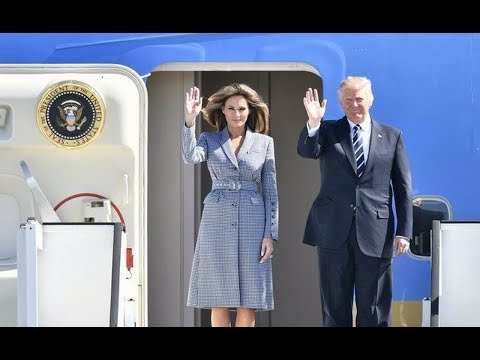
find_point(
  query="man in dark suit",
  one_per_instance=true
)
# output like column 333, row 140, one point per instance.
column 351, row 220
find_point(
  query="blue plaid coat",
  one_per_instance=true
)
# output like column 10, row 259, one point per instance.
column 236, row 217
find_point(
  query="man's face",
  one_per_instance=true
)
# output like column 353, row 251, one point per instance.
column 356, row 103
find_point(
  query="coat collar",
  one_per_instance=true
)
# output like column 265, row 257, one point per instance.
column 343, row 135
column 247, row 144
column 227, row 147
column 375, row 143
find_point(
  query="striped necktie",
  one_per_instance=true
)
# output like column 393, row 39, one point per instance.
column 358, row 150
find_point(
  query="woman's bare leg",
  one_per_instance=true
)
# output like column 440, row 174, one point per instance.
column 220, row 317
column 245, row 317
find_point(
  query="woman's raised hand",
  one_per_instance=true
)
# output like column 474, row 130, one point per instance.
column 193, row 105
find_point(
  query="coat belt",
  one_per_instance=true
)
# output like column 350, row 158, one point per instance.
column 234, row 184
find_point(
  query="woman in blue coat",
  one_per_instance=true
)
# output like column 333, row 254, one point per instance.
column 232, row 265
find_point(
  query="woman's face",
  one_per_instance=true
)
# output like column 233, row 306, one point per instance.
column 236, row 111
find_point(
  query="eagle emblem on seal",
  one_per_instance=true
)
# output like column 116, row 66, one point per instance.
column 71, row 115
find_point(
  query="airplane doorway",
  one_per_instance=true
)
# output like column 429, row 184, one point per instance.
column 176, row 192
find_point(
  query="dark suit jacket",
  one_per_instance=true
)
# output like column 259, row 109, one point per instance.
column 342, row 193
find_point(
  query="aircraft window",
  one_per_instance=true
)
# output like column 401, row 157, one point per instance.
column 427, row 208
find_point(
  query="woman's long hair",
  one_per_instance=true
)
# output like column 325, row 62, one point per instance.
column 258, row 117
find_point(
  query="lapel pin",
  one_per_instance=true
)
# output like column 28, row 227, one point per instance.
column 380, row 136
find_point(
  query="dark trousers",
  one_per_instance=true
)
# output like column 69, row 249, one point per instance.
column 347, row 270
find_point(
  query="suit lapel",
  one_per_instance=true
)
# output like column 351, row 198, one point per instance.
column 247, row 144
column 375, row 142
column 227, row 148
column 343, row 135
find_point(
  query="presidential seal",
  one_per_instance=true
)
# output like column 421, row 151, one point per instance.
column 71, row 114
